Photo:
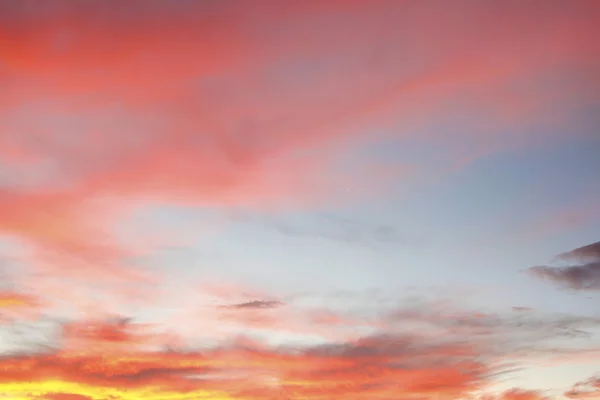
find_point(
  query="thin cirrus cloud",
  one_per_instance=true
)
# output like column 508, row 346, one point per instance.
column 208, row 104
column 582, row 271
column 588, row 389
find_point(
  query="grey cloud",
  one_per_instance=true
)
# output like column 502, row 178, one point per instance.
column 519, row 331
column 582, row 271
column 576, row 277
column 590, row 252
column 255, row 304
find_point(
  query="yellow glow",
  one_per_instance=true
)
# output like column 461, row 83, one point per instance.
column 12, row 302
column 36, row 390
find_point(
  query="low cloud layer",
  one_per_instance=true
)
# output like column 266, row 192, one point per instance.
column 413, row 352
column 582, row 271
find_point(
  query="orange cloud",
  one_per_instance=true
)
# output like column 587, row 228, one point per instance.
column 66, row 396
column 517, row 394
column 16, row 306
column 369, row 368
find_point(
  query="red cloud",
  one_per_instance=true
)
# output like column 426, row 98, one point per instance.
column 517, row 394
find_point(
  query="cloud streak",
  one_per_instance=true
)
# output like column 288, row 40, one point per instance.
column 581, row 273
column 255, row 304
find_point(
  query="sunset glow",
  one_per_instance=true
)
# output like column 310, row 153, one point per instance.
column 299, row 200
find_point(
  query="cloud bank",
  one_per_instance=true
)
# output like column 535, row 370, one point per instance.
column 415, row 352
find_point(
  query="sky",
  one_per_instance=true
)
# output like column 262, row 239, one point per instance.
column 299, row 200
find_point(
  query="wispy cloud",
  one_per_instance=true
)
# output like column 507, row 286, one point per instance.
column 588, row 389
column 518, row 394
column 255, row 304
column 581, row 273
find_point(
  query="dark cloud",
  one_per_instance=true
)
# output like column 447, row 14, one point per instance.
column 521, row 309
column 585, row 253
column 582, row 271
column 255, row 304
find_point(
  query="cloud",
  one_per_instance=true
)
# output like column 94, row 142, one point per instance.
column 582, row 273
column 109, row 107
column 372, row 367
column 590, row 252
column 415, row 349
column 588, row 389
column 213, row 105
column 418, row 351
column 65, row 396
column 255, row 304
column 520, row 394
column 18, row 306
column 15, row 300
